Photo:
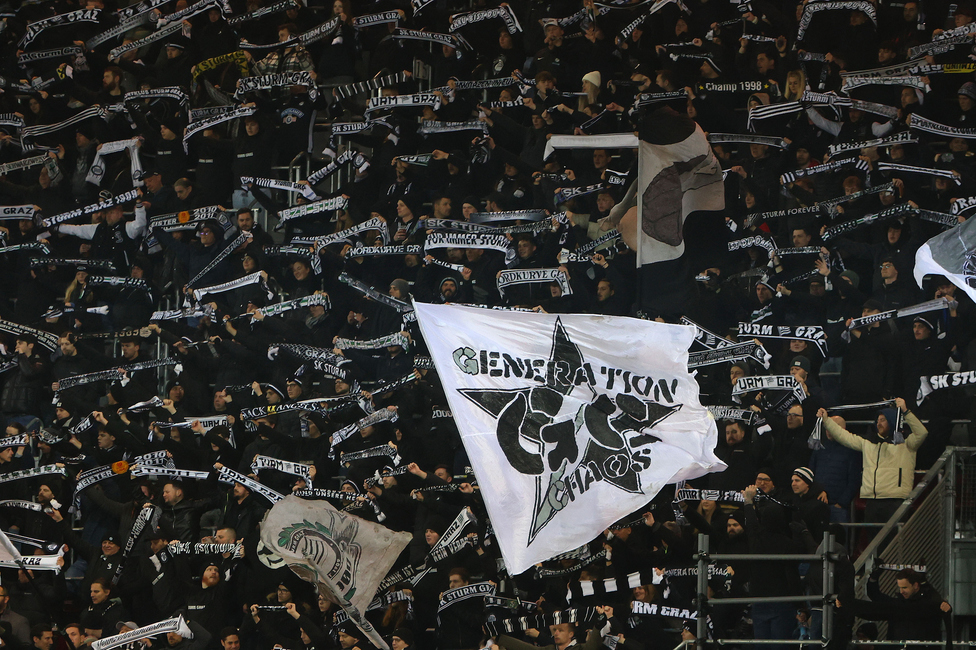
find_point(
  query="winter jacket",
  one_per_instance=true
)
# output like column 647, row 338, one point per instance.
column 838, row 469
column 22, row 391
column 888, row 469
column 917, row 618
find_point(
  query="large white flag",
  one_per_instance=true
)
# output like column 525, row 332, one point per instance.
column 570, row 421
column 952, row 254
column 344, row 556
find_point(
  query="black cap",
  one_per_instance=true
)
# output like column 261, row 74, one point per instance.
column 111, row 537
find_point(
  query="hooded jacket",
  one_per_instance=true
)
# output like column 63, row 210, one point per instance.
column 888, row 470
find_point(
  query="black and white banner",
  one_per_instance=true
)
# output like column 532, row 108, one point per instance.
column 496, row 365
column 344, row 556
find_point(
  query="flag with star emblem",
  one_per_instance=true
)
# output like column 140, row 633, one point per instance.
column 570, row 421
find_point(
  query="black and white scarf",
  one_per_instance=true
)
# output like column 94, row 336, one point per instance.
column 759, row 241
column 428, row 127
column 285, row 466
column 540, row 621
column 189, row 548
column 276, row 8
column 755, row 217
column 325, row 205
column 834, row 5
column 225, row 115
column 402, row 101
column 787, row 383
column 177, row 625
column 102, row 265
column 584, row 252
column 887, row 187
column 340, row 436
column 81, row 15
column 947, row 380
column 368, row 20
column 791, row 177
column 116, row 373
column 930, row 305
column 396, row 338
column 705, row 338
column 45, row 470
column 125, row 197
column 321, row 493
column 853, row 82
column 504, row 12
column 278, row 80
column 509, row 277
column 25, row 163
column 173, row 472
column 253, row 278
column 747, row 350
column 904, row 137
column 227, row 475
column 810, row 333
column 940, row 46
column 467, row 592
column 376, row 251
column 30, row 132
column 127, row 283
column 513, row 215
column 372, row 452
column 32, row 246
column 28, row 57
column 318, row 299
column 241, row 239
column 158, row 35
column 815, row 441
column 749, row 138
column 467, row 240
column 274, row 183
column 16, row 212
column 849, row 226
column 374, row 294
column 731, row 413
column 451, row 40
column 319, row 405
column 910, row 169
column 358, row 160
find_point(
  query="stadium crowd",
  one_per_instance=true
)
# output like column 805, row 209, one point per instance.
column 111, row 241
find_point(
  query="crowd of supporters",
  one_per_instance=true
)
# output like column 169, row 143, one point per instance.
column 143, row 141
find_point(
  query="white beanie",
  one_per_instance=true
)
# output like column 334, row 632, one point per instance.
column 594, row 78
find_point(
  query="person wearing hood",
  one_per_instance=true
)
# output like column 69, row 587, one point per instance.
column 888, row 471
column 741, row 456
column 810, row 499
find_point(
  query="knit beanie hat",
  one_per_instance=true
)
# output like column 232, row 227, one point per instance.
column 804, row 473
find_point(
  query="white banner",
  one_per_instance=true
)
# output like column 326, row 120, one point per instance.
column 571, row 421
column 344, row 556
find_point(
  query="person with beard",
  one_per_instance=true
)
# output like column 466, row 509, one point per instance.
column 242, row 510
column 789, row 443
column 209, row 602
column 888, row 473
column 741, row 453
column 103, row 561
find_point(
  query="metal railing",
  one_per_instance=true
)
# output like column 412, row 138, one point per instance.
column 705, row 558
